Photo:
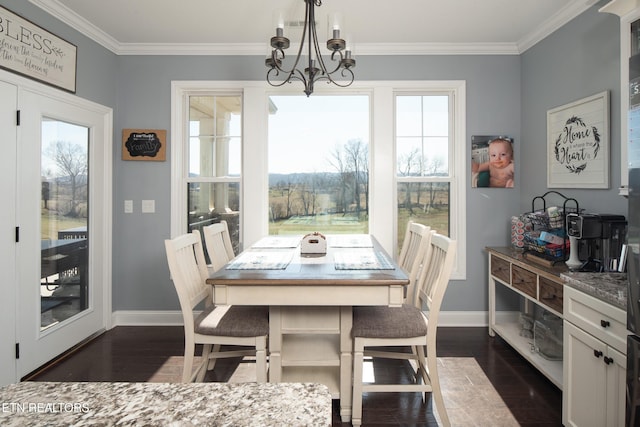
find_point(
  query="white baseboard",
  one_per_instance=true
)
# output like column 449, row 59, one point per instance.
column 147, row 318
column 174, row 318
column 463, row 318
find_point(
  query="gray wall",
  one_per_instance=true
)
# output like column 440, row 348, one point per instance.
column 580, row 59
column 97, row 67
column 505, row 94
column 140, row 272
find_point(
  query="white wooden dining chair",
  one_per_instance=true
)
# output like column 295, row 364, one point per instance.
column 416, row 240
column 216, row 325
column 218, row 244
column 406, row 326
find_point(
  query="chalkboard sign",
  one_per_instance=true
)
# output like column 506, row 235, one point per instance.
column 144, row 144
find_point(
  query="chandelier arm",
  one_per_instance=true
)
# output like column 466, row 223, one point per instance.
column 275, row 83
column 338, row 65
column 345, row 73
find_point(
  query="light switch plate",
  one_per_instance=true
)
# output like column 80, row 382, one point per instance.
column 148, row 206
column 128, row 206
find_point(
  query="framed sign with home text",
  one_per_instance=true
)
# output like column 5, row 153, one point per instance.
column 578, row 144
column 33, row 52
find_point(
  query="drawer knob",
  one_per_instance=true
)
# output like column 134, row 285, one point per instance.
column 597, row 353
column 605, row 323
column 608, row 360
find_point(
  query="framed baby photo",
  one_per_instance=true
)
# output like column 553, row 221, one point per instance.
column 578, row 143
column 492, row 161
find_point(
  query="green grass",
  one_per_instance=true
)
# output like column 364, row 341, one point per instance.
column 436, row 218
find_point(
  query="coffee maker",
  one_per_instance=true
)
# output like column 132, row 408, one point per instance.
column 596, row 241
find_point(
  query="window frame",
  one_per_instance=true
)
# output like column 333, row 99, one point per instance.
column 254, row 170
column 455, row 167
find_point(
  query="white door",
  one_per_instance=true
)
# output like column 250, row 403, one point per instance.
column 8, row 107
column 64, row 219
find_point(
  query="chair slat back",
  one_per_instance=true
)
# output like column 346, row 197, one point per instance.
column 435, row 274
column 187, row 266
column 218, row 242
column 414, row 246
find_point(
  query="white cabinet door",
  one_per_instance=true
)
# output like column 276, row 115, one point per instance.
column 584, row 384
column 616, row 387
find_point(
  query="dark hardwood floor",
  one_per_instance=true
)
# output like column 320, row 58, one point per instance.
column 155, row 354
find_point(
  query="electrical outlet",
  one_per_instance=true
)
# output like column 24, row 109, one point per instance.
column 148, row 206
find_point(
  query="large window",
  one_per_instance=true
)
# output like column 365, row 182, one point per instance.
column 423, row 169
column 319, row 164
column 214, row 162
column 363, row 159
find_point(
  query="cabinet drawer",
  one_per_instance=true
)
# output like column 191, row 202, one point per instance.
column 524, row 281
column 500, row 269
column 602, row 320
column 551, row 294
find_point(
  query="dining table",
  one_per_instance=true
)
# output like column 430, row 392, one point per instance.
column 310, row 298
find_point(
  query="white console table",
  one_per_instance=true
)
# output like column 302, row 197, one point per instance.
column 537, row 284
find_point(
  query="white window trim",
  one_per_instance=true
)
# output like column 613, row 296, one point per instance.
column 254, row 185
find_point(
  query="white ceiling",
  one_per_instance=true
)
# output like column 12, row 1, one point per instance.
column 379, row 26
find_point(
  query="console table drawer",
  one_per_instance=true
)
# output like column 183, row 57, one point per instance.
column 524, row 281
column 500, row 269
column 551, row 294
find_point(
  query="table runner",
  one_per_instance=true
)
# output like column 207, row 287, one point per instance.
column 261, row 260
column 361, row 259
column 350, row 241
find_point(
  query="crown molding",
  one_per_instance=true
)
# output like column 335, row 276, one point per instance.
column 77, row 22
column 620, row 7
column 567, row 13
column 437, row 49
column 362, row 49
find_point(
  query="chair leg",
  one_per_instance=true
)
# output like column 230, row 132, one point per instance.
column 206, row 355
column 215, row 348
column 422, row 372
column 356, row 407
column 188, row 362
column 202, row 367
column 432, row 366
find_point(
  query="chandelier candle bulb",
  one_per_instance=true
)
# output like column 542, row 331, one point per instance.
column 349, row 42
column 335, row 23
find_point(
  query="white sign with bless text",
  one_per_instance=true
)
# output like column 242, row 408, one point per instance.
column 28, row 49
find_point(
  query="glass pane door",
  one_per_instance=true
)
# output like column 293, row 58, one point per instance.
column 64, row 282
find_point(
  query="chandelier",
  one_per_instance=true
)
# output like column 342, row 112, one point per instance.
column 314, row 65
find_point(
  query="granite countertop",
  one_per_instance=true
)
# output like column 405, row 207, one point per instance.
column 164, row 404
column 608, row 287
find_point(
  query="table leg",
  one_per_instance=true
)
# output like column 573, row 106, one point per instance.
column 492, row 304
column 275, row 344
column 346, row 363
